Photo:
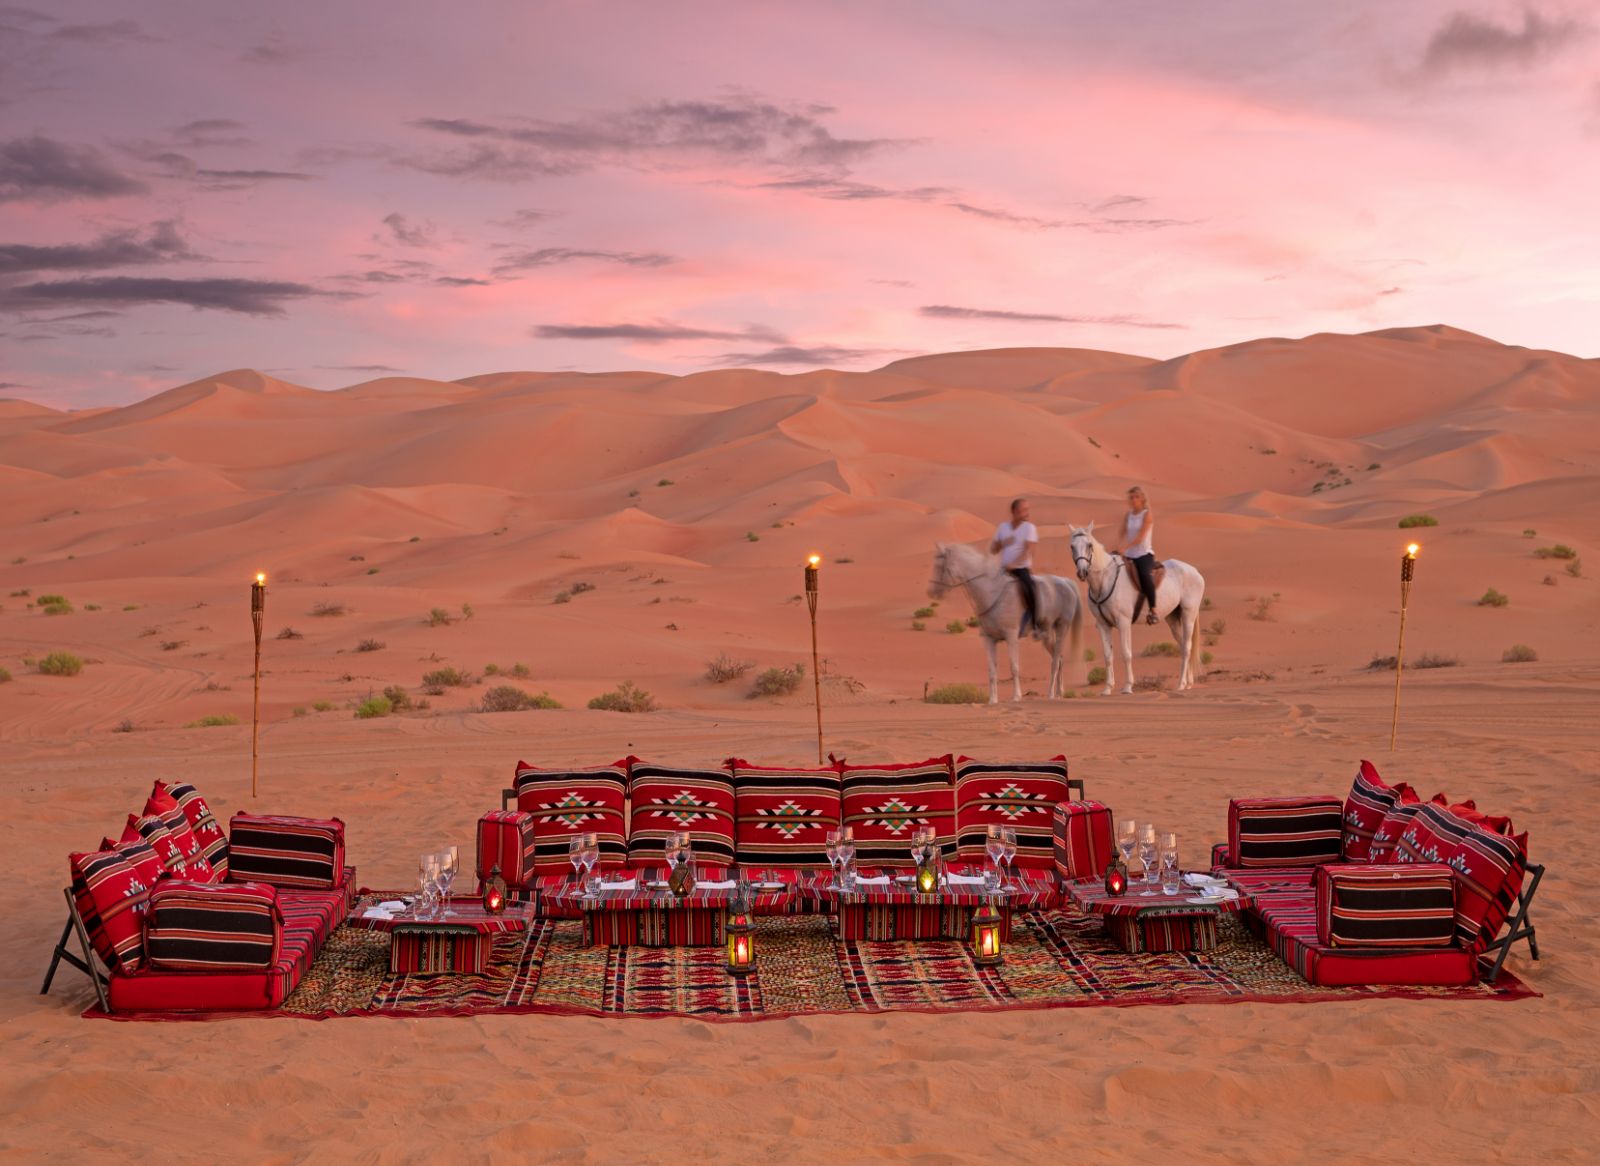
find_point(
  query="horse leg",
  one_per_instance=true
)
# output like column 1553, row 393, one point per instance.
column 1125, row 632
column 1016, row 667
column 1191, row 629
column 994, row 670
column 1177, row 623
column 1105, row 651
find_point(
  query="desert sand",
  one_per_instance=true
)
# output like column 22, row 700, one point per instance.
column 1279, row 467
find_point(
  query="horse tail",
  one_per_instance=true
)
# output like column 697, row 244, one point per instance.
column 1077, row 619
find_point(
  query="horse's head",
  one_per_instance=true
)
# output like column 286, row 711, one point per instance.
column 1084, row 545
column 940, row 581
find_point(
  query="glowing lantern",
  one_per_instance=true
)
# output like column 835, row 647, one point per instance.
column 986, row 951
column 494, row 892
column 741, row 931
column 1116, row 877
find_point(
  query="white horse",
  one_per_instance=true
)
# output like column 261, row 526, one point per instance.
column 1113, row 590
column 997, row 602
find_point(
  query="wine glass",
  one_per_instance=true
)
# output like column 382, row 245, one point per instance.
column 830, row 846
column 1147, row 856
column 575, row 857
column 591, row 859
column 847, row 856
column 427, row 874
column 1127, row 839
column 1170, row 876
column 995, row 847
column 449, row 861
column 1008, row 846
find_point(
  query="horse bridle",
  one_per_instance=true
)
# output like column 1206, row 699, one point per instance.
column 947, row 584
column 1086, row 562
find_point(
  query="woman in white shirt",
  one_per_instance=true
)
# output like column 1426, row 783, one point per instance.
column 1138, row 530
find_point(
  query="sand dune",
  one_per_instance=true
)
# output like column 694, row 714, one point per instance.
column 674, row 513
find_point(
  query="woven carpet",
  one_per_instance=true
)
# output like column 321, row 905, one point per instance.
column 1056, row 959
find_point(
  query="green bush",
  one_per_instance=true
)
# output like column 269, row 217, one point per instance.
column 1518, row 654
column 438, row 617
column 214, row 721
column 1493, row 598
column 725, row 668
column 507, row 698
column 955, row 627
column 779, row 681
column 1161, row 648
column 1411, row 520
column 1559, row 551
column 1435, row 660
column 61, row 664
column 62, row 608
column 322, row 706
column 371, row 646
column 665, row 482
column 957, row 694
column 751, row 536
column 1530, row 533
column 1205, row 657
column 918, row 626
column 442, row 678
column 922, row 613
column 521, row 670
column 44, row 600
column 1096, row 676
column 377, row 706
column 491, row 670
column 130, row 607
column 399, row 699
column 299, row 710
column 5, row 676
column 627, row 697
column 1088, row 655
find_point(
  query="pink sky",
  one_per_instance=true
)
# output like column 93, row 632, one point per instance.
column 335, row 192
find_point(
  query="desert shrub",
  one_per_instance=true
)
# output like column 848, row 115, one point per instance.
column 725, row 668
column 1493, row 598
column 1260, row 607
column 371, row 646
column 1383, row 664
column 45, row 600
column 375, row 706
column 521, row 670
column 1205, row 657
column 322, row 706
column 580, row 587
column 627, row 697
column 130, row 607
column 508, row 698
column 215, row 721
column 751, row 536
column 438, row 617
column 439, row 679
column 1160, row 648
column 61, row 608
column 1575, row 568
column 1096, row 676
column 61, row 664
column 5, row 676
column 1411, row 520
column 290, row 634
column 1530, row 533
column 491, row 670
column 1559, row 551
column 922, row 613
column 918, row 626
column 562, row 597
column 779, row 681
column 172, row 645
column 1518, row 654
column 328, row 608
column 972, row 621
column 1150, row 684
column 1548, row 580
column 299, row 710
column 416, row 538
column 21, row 593
column 91, row 607
column 372, row 570
column 1205, row 603
column 123, row 726
column 1088, row 655
column 665, row 482
column 1216, row 627
column 955, row 627
column 399, row 699
column 957, row 694
column 466, row 611
column 844, row 560
column 1436, row 660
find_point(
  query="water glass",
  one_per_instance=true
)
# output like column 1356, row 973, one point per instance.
column 831, row 848
column 1127, row 839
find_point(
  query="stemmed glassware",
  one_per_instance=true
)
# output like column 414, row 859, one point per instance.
column 994, row 846
column 830, row 847
column 575, row 855
column 847, row 857
column 591, row 858
column 1147, row 856
column 449, row 860
column 1170, row 877
column 1008, row 847
column 1127, row 839
column 427, row 884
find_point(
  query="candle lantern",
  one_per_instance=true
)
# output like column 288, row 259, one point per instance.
column 928, row 868
column 494, row 892
column 681, row 880
column 741, row 931
column 986, row 951
column 258, row 614
column 1116, row 877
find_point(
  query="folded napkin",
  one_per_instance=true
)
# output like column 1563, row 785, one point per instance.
column 1196, row 879
column 1227, row 895
column 872, row 880
column 961, row 880
column 622, row 885
column 376, row 913
column 724, row 885
column 391, row 905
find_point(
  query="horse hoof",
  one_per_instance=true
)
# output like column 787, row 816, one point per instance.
column 1127, row 691
column 1106, row 691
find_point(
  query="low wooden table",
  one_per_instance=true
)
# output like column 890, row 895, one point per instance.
column 459, row 943
column 900, row 911
column 652, row 916
column 1152, row 924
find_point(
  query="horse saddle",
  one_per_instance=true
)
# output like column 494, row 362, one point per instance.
column 1157, row 573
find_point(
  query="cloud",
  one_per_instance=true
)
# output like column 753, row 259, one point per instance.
column 948, row 312
column 109, row 32
column 251, row 297
column 461, row 281
column 845, row 190
column 211, row 131
column 820, row 356
column 411, row 234
column 163, row 244
column 1116, row 201
column 250, row 177
column 380, row 368
column 40, row 169
column 893, row 282
column 1009, row 217
column 659, row 332
column 1469, row 41
column 552, row 256
column 740, row 129
column 271, row 52
column 521, row 220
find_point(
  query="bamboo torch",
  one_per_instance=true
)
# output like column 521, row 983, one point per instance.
column 1408, row 562
column 812, row 565
column 258, row 613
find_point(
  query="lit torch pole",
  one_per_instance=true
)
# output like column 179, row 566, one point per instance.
column 258, row 612
column 812, row 564
column 1408, row 562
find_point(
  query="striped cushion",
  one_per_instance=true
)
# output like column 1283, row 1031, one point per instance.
column 1386, row 837
column 885, row 804
column 1265, row 832
column 141, row 855
column 1023, row 797
column 205, row 927
column 568, row 802
column 1368, row 803
column 1489, row 869
column 111, row 898
column 1082, row 834
column 213, row 841
column 666, row 801
column 178, row 850
column 505, row 839
column 784, row 815
column 1386, row 906
column 286, row 851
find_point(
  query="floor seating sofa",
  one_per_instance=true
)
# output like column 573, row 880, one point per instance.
column 177, row 915
column 1381, row 887
column 772, row 818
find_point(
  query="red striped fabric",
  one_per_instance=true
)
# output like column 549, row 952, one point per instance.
column 1158, row 934
column 1022, row 796
column 506, row 840
column 111, row 898
column 207, row 832
column 212, row 927
column 1368, row 803
column 656, row 927
column 884, row 921
column 885, row 805
column 1268, row 832
column 434, row 950
column 1405, row 905
column 286, row 851
column 1082, row 834
column 566, row 803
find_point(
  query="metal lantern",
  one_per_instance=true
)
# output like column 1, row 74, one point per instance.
column 986, row 944
column 741, row 934
column 494, row 892
column 1116, row 877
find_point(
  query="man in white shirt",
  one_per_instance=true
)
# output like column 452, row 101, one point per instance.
column 1014, row 542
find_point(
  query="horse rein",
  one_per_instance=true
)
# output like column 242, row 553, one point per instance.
column 1099, row 604
column 950, row 585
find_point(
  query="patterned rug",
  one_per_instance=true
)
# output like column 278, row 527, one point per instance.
column 1056, row 959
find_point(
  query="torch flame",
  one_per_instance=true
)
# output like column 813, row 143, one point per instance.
column 1411, row 551
column 261, row 577
column 814, row 561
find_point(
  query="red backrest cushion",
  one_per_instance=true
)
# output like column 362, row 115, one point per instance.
column 212, row 927
column 1271, row 832
column 1489, row 869
column 1083, row 840
column 1021, row 796
column 506, row 840
column 568, row 802
column 207, row 832
column 1363, row 905
column 286, row 851
column 668, row 800
column 885, row 804
column 1368, row 803
column 111, row 898
column 783, row 815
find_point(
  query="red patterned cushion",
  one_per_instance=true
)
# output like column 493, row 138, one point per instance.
column 213, row 840
column 568, row 802
column 286, row 851
column 506, row 840
column 784, row 815
column 206, row 927
column 1387, row 835
column 666, row 801
column 1489, row 869
column 885, row 804
column 111, row 898
column 1023, row 797
column 1082, row 833
column 178, row 850
column 1493, row 823
column 1410, row 905
column 1368, row 803
column 141, row 854
column 1268, row 832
